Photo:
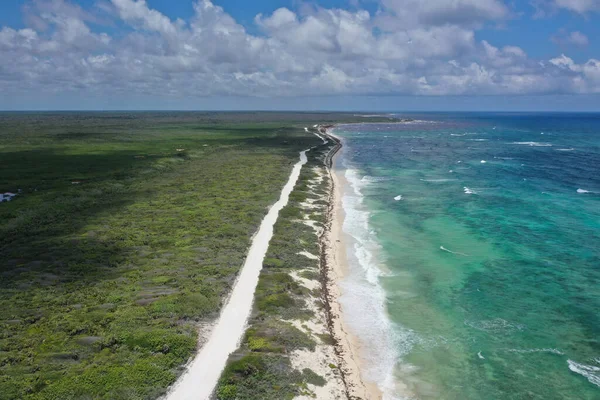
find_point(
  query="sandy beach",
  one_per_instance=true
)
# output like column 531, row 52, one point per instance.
column 335, row 267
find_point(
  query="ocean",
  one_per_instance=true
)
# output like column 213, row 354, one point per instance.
column 473, row 245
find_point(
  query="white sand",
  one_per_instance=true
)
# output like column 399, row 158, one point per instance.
column 308, row 255
column 6, row 196
column 203, row 373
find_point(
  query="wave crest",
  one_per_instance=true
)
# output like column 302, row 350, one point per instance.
column 591, row 372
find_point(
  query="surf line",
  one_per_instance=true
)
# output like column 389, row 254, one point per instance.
column 453, row 252
column 203, row 373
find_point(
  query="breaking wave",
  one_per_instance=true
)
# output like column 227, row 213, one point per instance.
column 591, row 372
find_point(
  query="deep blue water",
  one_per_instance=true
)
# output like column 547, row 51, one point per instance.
column 488, row 265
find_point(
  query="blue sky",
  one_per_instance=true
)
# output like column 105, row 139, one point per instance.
column 290, row 54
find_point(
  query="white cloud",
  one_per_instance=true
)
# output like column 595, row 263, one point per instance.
column 544, row 8
column 579, row 6
column 137, row 13
column 312, row 52
column 565, row 38
column 442, row 12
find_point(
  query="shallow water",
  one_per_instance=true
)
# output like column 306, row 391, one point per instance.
column 475, row 254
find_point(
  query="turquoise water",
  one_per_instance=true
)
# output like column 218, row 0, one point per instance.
column 482, row 280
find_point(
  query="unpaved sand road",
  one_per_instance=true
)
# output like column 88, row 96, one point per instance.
column 203, row 373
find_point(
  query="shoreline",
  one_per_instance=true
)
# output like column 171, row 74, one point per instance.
column 335, row 268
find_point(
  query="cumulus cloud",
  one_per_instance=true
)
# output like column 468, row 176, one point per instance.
column 431, row 51
column 137, row 13
column 564, row 38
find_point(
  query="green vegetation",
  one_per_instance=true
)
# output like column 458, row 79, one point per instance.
column 128, row 231
column 261, row 368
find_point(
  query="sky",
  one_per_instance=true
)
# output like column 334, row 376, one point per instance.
column 371, row 55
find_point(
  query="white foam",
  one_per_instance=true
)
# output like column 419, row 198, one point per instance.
column 398, row 198
column 469, row 191
column 533, row 144
column 591, row 372
column 570, row 149
column 478, row 140
column 525, row 351
column 480, row 356
column 453, row 252
column 369, row 179
column 364, row 300
column 438, row 180
column 306, row 129
column 483, row 161
column 494, row 325
column 581, row 191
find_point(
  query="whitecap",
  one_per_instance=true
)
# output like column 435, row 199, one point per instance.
column 533, row 144
column 569, row 149
column 438, row 180
column 494, row 325
column 525, row 351
column 591, row 372
column 469, row 191
column 458, row 134
column 453, row 252
column 480, row 356
column 370, row 179
column 478, row 140
column 398, row 198
column 581, row 191
column 483, row 161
